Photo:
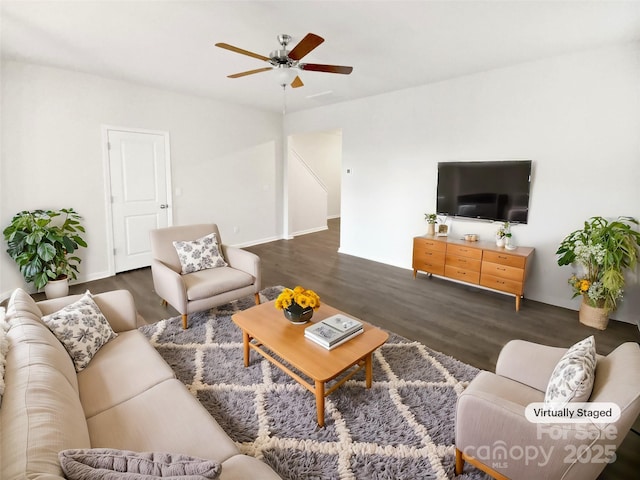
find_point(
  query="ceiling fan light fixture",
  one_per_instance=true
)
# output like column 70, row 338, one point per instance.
column 285, row 75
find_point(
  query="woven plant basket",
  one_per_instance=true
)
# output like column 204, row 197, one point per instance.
column 593, row 316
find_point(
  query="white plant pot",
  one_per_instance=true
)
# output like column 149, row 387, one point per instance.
column 57, row 288
column 500, row 241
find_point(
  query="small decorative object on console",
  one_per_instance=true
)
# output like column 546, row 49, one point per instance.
column 298, row 304
column 431, row 219
column 334, row 331
column 503, row 235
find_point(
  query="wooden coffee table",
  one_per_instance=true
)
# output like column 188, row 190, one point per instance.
column 265, row 330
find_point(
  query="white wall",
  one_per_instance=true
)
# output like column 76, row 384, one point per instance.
column 576, row 116
column 322, row 151
column 226, row 159
column 307, row 198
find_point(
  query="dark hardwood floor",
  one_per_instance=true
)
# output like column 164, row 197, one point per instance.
column 467, row 323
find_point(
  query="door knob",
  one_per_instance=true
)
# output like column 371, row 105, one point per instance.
column 164, row 205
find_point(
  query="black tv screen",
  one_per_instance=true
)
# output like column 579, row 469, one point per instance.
column 496, row 190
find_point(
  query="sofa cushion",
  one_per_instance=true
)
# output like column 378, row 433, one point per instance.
column 200, row 254
column 572, row 379
column 22, row 305
column 125, row 367
column 165, row 418
column 41, row 413
column 116, row 305
column 81, row 328
column 112, row 464
column 211, row 282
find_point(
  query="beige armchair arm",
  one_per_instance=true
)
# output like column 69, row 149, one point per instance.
column 169, row 285
column 492, row 428
column 117, row 306
column 528, row 363
column 245, row 261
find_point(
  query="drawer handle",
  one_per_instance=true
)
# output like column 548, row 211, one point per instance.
column 500, row 282
column 503, row 257
column 428, row 253
column 501, row 269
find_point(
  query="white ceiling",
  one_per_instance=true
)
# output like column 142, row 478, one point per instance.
column 392, row 45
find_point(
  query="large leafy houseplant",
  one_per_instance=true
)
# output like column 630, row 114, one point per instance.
column 42, row 243
column 605, row 249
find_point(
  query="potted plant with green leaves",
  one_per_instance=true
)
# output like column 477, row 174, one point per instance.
column 431, row 219
column 605, row 250
column 42, row 243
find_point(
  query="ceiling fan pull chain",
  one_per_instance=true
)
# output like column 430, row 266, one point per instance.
column 284, row 99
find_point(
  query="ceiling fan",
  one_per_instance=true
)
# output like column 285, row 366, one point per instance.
column 289, row 60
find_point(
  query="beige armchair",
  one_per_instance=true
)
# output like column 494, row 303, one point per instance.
column 493, row 433
column 203, row 289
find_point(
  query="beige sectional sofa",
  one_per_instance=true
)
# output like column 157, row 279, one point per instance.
column 126, row 398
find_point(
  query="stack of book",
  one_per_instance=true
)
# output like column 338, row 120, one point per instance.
column 333, row 331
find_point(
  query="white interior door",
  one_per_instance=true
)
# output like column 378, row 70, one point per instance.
column 140, row 194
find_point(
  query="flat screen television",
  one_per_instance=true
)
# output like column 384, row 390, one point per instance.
column 496, row 190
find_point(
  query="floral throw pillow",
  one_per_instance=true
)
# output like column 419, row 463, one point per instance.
column 81, row 328
column 572, row 379
column 199, row 254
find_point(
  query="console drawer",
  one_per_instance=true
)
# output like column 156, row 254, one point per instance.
column 437, row 268
column 502, row 284
column 428, row 244
column 468, row 276
column 504, row 259
column 502, row 271
column 463, row 251
column 429, row 256
column 465, row 263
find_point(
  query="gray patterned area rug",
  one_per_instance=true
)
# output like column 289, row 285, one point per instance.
column 401, row 428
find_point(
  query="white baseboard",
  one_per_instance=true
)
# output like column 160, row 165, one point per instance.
column 311, row 230
column 256, row 242
column 31, row 290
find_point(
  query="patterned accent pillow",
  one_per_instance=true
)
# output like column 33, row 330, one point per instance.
column 4, row 348
column 81, row 328
column 572, row 379
column 199, row 254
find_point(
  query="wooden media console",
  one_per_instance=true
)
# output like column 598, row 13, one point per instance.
column 475, row 263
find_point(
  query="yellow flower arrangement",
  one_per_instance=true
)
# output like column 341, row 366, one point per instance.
column 300, row 297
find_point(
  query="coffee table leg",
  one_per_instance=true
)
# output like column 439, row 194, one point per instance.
column 368, row 369
column 245, row 344
column 320, row 402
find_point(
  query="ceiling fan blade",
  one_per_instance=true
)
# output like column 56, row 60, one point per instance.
column 308, row 43
column 226, row 46
column 250, row 72
column 316, row 67
column 297, row 82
